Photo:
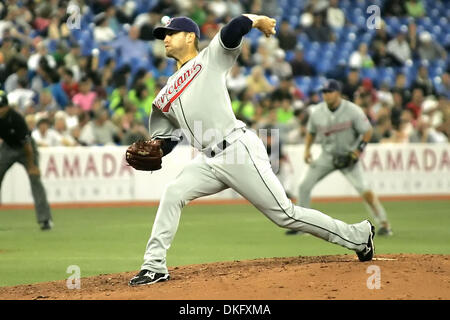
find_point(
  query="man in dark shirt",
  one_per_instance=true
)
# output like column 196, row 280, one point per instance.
column 18, row 146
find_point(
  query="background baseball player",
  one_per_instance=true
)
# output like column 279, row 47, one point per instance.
column 231, row 156
column 18, row 146
column 344, row 131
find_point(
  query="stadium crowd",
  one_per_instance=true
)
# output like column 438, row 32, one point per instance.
column 86, row 72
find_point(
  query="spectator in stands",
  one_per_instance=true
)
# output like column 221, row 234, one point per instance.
column 111, row 15
column 428, row 49
column 41, row 52
column 335, row 16
column 243, row 106
column 69, row 85
column 383, row 58
column 44, row 135
column 85, row 97
column 443, row 112
column 319, row 31
column 444, row 88
column 425, row 133
column 351, row 84
column 103, row 33
column 402, row 131
column 415, row 8
column 300, row 67
column 245, row 58
column 382, row 129
column 234, row 8
column 415, row 105
column 72, row 112
column 141, row 98
column 210, row 27
column 100, row 130
column 287, row 38
column 58, row 29
column 60, row 126
column 47, row 102
column 146, row 22
column 263, row 57
column 298, row 127
column 197, row 12
column 7, row 50
column 257, row 82
column 269, row 7
column 21, row 97
column 236, row 81
column 401, row 86
column 381, row 35
column 218, row 8
column 424, row 82
column 57, row 90
column 136, row 132
column 394, row 8
column 412, row 38
column 88, row 66
column 314, row 97
column 280, row 67
column 361, row 58
column 71, row 59
column 281, row 95
column 20, row 72
column 161, row 68
column 307, row 17
column 119, row 99
column 399, row 47
column 131, row 47
column 385, row 101
column 397, row 107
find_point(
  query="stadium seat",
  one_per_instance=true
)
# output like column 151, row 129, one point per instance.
column 370, row 73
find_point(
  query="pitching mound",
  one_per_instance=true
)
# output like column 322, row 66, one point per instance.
column 403, row 276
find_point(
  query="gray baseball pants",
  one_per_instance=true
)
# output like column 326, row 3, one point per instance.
column 251, row 175
column 8, row 156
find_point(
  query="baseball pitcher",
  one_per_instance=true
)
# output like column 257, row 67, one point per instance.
column 344, row 131
column 231, row 155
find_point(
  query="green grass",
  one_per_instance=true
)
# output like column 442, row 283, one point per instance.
column 109, row 240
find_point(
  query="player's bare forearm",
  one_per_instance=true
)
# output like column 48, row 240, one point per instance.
column 364, row 141
column 265, row 24
column 367, row 136
column 309, row 140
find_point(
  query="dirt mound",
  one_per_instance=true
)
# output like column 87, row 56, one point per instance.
column 403, row 276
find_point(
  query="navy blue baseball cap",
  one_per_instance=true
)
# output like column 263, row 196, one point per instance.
column 177, row 24
column 330, row 86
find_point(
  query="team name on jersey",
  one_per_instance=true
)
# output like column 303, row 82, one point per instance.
column 175, row 88
column 327, row 130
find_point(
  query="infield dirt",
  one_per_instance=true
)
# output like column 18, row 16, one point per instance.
column 399, row 276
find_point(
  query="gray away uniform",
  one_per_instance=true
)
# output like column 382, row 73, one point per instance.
column 339, row 132
column 196, row 95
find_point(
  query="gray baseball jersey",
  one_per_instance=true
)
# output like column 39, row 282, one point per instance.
column 196, row 95
column 339, row 132
column 195, row 99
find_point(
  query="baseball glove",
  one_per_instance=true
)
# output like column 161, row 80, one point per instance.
column 145, row 155
column 344, row 161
